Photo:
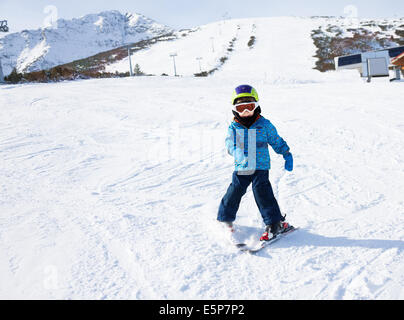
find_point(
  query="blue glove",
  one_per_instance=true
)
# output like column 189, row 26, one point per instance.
column 288, row 161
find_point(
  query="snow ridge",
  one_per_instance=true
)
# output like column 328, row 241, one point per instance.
column 32, row 50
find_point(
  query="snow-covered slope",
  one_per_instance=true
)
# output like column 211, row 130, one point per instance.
column 32, row 50
column 229, row 40
column 110, row 188
column 219, row 41
column 207, row 48
column 210, row 42
column 224, row 46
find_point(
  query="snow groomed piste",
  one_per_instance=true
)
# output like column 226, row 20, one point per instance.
column 110, row 188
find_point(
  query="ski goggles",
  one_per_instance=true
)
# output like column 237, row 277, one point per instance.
column 247, row 106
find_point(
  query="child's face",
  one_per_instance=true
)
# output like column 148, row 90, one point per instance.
column 245, row 113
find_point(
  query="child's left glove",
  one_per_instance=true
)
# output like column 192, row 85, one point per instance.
column 288, row 161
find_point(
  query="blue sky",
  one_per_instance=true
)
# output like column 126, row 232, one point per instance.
column 26, row 14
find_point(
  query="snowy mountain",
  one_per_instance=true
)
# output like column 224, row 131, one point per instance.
column 205, row 49
column 109, row 188
column 215, row 42
column 32, row 50
column 331, row 36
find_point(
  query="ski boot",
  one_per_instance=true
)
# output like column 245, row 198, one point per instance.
column 285, row 226
column 271, row 231
column 228, row 226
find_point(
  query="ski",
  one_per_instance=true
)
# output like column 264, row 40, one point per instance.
column 236, row 243
column 264, row 244
column 230, row 231
column 240, row 245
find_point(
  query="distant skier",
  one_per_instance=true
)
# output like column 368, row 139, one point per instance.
column 247, row 141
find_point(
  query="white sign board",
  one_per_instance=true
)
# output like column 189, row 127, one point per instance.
column 378, row 67
column 375, row 64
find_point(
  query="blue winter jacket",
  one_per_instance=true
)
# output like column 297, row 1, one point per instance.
column 249, row 147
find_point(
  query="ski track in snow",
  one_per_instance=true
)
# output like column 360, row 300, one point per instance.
column 110, row 188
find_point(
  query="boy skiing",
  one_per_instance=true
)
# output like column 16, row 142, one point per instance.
column 247, row 141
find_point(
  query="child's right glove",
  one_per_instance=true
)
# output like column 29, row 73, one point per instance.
column 288, row 161
column 240, row 158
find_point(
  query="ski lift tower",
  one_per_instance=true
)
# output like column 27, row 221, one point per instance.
column 173, row 55
column 130, row 60
column 3, row 26
column 1, row 74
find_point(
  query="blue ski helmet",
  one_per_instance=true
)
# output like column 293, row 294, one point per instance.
column 244, row 90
